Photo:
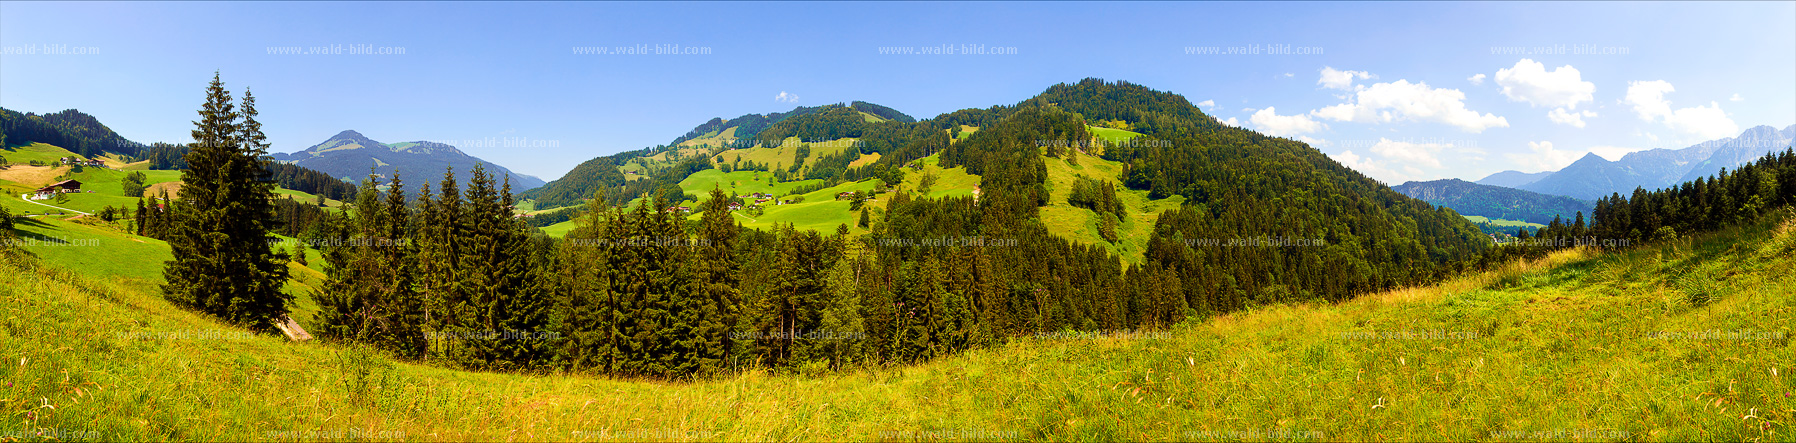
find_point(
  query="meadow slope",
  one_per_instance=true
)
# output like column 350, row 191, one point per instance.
column 1682, row 341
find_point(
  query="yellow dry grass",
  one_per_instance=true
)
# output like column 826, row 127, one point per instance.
column 173, row 188
column 32, row 175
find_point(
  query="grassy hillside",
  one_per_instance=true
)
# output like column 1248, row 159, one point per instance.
column 819, row 210
column 106, row 250
column 1577, row 346
column 1112, row 135
column 40, row 152
column 1081, row 224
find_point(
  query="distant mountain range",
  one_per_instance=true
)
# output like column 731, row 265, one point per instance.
column 1511, row 179
column 349, row 154
column 1469, row 198
column 1594, row 177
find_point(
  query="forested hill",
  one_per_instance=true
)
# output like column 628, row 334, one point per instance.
column 71, row 129
column 1347, row 233
column 1331, row 231
column 602, row 173
column 1496, row 201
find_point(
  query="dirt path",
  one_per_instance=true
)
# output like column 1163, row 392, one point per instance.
column 54, row 207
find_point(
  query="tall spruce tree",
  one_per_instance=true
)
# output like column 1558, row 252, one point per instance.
column 371, row 297
column 139, row 216
column 225, row 263
column 585, row 293
column 5, row 223
column 439, row 266
column 505, row 320
column 707, row 311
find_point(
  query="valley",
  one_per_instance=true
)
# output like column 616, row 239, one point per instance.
column 897, row 221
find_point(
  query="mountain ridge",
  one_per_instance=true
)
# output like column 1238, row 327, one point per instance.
column 348, row 154
column 1593, row 177
column 1468, row 198
column 1512, row 178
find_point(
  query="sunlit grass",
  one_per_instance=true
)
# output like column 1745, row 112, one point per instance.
column 1575, row 346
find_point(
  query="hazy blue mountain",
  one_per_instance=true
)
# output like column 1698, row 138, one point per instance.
column 1748, row 147
column 348, row 155
column 1469, row 198
column 1511, row 179
column 1594, row 177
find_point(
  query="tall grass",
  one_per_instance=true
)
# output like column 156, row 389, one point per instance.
column 1575, row 346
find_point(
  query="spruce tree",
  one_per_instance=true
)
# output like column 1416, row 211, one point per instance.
column 840, row 324
column 139, row 216
column 439, row 252
column 349, row 305
column 501, row 318
column 224, row 261
column 585, row 293
column 5, row 223
column 402, row 327
column 708, row 309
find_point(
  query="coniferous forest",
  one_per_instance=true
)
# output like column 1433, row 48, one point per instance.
column 432, row 274
column 957, row 221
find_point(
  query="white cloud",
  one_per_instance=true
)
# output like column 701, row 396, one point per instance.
column 1708, row 122
column 1405, row 101
column 1529, row 81
column 1342, row 80
column 1314, row 142
column 1369, row 168
column 1543, row 157
column 1735, row 98
column 1576, row 119
column 1476, row 79
column 1649, row 103
column 1289, row 75
column 1206, row 104
column 1232, row 122
column 786, row 97
column 1268, row 121
column 1648, row 99
column 1416, row 153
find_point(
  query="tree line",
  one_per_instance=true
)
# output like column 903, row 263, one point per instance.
column 70, row 129
column 453, row 277
column 1707, row 204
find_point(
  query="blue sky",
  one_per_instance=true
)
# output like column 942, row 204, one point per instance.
column 1401, row 90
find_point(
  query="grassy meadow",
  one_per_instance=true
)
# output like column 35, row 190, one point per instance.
column 1682, row 341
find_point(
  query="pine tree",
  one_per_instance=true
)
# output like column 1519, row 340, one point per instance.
column 5, row 223
column 585, row 293
column 299, row 253
column 502, row 314
column 439, row 266
column 224, row 261
column 139, row 216
column 710, row 308
column 841, row 325
column 350, row 306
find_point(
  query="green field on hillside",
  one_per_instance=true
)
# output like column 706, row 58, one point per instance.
column 950, row 182
column 25, row 154
column 1081, row 224
column 739, row 182
column 1500, row 222
column 1607, row 346
column 1112, row 135
column 106, row 250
